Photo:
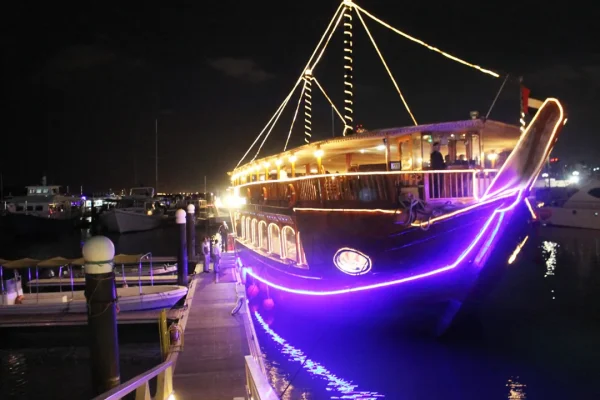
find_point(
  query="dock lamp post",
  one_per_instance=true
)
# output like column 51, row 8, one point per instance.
column 101, row 298
column 182, row 259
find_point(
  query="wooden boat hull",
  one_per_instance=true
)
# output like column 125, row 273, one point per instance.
column 153, row 297
column 411, row 268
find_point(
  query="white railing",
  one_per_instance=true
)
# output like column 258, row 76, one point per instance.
column 141, row 385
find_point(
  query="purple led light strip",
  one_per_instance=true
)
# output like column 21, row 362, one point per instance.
column 346, row 388
column 464, row 254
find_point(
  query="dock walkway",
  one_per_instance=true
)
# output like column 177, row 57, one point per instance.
column 211, row 365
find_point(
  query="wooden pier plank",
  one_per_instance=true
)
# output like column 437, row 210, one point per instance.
column 211, row 365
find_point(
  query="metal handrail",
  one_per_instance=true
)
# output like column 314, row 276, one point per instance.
column 140, row 384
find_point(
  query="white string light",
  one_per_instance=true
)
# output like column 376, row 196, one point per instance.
column 422, row 43
column 295, row 115
column 386, row 66
column 338, row 14
column 308, row 106
column 273, row 124
column 328, row 99
column 348, row 70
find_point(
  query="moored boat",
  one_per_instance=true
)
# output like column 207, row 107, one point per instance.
column 390, row 229
column 135, row 213
column 580, row 210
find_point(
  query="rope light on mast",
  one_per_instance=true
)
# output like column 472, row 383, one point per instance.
column 348, row 70
column 307, row 105
column 522, row 108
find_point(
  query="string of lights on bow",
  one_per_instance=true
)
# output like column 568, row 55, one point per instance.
column 344, row 12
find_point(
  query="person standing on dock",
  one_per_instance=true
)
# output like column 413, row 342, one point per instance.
column 224, row 231
column 206, row 253
column 217, row 257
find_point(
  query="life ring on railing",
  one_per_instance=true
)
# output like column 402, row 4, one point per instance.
column 19, row 299
column 290, row 194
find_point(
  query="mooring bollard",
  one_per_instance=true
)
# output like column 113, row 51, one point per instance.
column 101, row 297
column 182, row 260
column 191, row 232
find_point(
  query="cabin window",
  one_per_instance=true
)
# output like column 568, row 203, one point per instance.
column 275, row 237
column 39, row 208
column 254, row 232
column 595, row 192
column 263, row 236
column 31, row 191
column 45, row 191
column 243, row 228
column 38, row 191
column 289, row 243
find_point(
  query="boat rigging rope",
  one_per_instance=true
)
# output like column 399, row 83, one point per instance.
column 422, row 43
column 386, row 67
column 330, row 29
column 295, row 116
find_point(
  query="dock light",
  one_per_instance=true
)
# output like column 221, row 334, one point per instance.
column 351, row 261
column 575, row 173
column 319, row 153
column 381, row 147
column 545, row 175
column 574, row 179
column 492, row 156
column 293, row 158
column 278, row 162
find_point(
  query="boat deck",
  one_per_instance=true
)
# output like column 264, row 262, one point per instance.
column 211, row 365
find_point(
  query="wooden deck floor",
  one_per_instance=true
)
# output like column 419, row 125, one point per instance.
column 211, row 365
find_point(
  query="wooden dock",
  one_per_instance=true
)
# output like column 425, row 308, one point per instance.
column 212, row 364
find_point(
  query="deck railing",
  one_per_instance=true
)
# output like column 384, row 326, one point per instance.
column 377, row 188
column 257, row 382
column 141, row 385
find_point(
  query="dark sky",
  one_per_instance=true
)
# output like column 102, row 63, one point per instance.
column 82, row 86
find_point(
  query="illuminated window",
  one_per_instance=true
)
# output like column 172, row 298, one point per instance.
column 289, row 243
column 274, row 235
column 254, row 232
column 263, row 236
column 243, row 227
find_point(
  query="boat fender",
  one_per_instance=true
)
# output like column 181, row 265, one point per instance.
column 19, row 299
column 174, row 333
column 291, row 195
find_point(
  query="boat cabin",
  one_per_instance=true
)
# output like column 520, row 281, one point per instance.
column 373, row 166
column 44, row 201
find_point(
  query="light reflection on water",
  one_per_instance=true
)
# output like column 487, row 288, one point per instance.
column 535, row 336
column 338, row 387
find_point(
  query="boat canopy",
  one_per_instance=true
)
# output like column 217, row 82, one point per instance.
column 408, row 146
column 55, row 262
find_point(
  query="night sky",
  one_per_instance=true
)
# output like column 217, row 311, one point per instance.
column 82, row 86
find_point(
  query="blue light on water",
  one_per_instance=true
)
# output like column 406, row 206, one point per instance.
column 339, row 388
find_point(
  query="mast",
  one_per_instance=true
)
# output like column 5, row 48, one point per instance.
column 348, row 72
column 308, row 106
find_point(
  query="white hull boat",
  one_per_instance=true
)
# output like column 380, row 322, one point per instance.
column 129, row 299
column 580, row 210
column 124, row 221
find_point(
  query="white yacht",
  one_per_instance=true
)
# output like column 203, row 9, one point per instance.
column 580, row 210
column 42, row 210
column 134, row 213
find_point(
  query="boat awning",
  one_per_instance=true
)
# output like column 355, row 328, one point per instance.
column 54, row 262
column 22, row 263
column 119, row 259
column 367, row 148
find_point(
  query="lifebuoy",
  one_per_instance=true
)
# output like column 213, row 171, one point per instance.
column 19, row 299
column 291, row 195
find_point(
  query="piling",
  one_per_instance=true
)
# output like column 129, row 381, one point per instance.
column 191, row 232
column 101, row 298
column 182, row 259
